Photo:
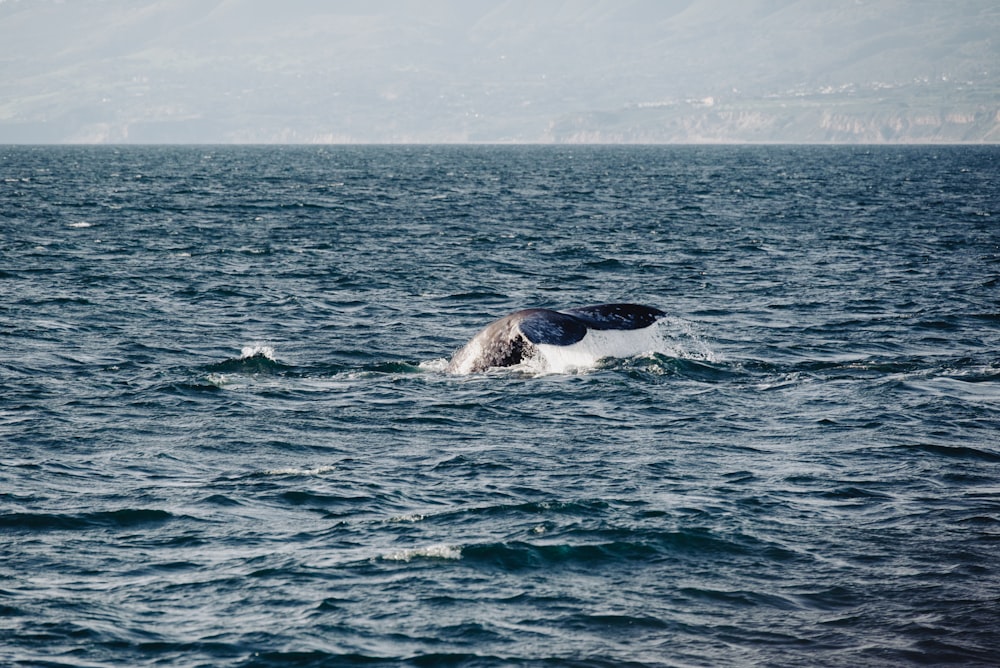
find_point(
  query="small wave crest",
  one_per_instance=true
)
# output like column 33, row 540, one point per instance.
column 303, row 472
column 427, row 552
column 440, row 365
column 125, row 518
column 257, row 351
column 255, row 359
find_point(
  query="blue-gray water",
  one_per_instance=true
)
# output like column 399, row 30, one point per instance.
column 226, row 438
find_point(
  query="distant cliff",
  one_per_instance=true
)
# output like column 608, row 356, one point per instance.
column 876, row 117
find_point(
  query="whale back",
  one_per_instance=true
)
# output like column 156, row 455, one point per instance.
column 617, row 316
column 498, row 344
column 542, row 325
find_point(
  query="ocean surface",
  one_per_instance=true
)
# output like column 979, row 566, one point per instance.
column 228, row 437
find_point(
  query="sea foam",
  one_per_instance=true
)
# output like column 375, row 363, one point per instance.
column 249, row 352
column 428, row 552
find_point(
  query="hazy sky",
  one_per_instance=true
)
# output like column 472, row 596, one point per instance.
column 508, row 70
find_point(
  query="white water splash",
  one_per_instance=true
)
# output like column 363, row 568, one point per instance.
column 440, row 364
column 428, row 552
column 668, row 336
column 319, row 470
column 248, row 352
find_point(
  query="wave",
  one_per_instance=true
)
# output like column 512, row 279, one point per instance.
column 578, row 548
column 392, row 368
column 964, row 372
column 623, row 546
column 301, row 472
column 114, row 519
column 261, row 360
column 312, row 658
column 257, row 359
column 955, row 452
column 648, row 367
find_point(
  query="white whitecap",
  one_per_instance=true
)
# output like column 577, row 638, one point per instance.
column 434, row 365
column 81, row 223
column 257, row 350
column 217, row 379
column 319, row 470
column 428, row 552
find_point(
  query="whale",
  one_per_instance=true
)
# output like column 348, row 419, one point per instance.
column 515, row 338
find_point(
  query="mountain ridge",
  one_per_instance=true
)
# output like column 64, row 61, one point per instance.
column 304, row 71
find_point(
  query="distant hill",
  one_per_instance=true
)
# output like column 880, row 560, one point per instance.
column 303, row 71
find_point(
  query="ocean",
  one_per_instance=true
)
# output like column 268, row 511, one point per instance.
column 228, row 436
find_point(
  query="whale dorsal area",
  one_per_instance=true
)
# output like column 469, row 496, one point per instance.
column 552, row 327
column 617, row 316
